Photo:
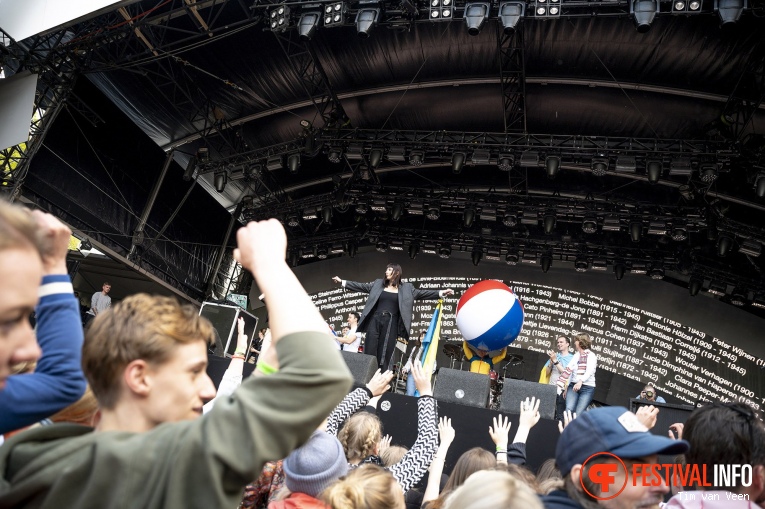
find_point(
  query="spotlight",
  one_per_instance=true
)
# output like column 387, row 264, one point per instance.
column 510, row 13
column 636, row 231
column 679, row 233
column 730, row 10
column 322, row 253
column 444, row 251
column 680, row 167
column 505, row 162
column 375, row 156
column 366, row 18
column 590, row 224
column 433, row 213
column 599, row 166
column 476, row 14
column 416, row 157
column 509, row 219
column 396, row 211
column 619, row 269
column 382, row 246
column 694, row 286
column 545, row 261
column 279, row 18
column 708, row 173
column 352, row 249
column 653, row 169
column 750, row 247
column 293, row 163
column 362, row 207
column 219, row 179
column 512, row 258
column 468, row 215
column 643, row 11
column 581, row 264
column 307, row 24
column 414, row 249
column 189, row 173
column 334, row 14
column 724, row 244
column 441, row 10
column 549, row 223
column 738, row 297
column 203, row 154
column 458, row 161
column 717, row 288
column 476, row 256
column 326, row 214
column 293, row 221
column 759, row 185
column 552, row 164
column 85, row 245
column 686, row 192
column 656, row 273
column 274, row 163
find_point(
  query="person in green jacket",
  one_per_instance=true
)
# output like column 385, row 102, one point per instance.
column 145, row 360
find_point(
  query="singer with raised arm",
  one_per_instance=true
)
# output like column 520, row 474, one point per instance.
column 388, row 311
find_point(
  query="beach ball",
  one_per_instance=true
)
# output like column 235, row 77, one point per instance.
column 489, row 315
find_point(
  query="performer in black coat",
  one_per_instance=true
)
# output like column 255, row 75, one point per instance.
column 388, row 311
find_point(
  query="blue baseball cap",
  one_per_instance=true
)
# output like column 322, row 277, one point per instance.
column 610, row 429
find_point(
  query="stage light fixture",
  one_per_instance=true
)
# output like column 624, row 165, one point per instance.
column 352, row 248
column 639, row 268
column 396, row 211
column 625, row 164
column 293, row 163
column 636, row 231
column 334, row 14
column 480, row 156
column 679, row 233
column 612, row 223
column 274, row 163
column 397, row 245
column 590, row 224
column 643, row 12
column 724, row 243
column 750, row 247
column 310, row 213
column 510, row 13
column 759, row 301
column 552, row 164
column 335, row 155
column 738, row 297
column 619, row 269
column 362, row 207
column 203, row 155
column 546, row 262
column 86, row 245
column 433, row 213
column 375, row 157
column 656, row 273
column 309, row 21
column 322, row 253
column 694, row 285
column 581, row 264
column 505, row 162
column 510, row 219
column 441, row 10
column 512, row 258
column 219, row 179
column 680, row 167
column 279, row 17
column 366, row 17
column 759, row 185
column 293, row 220
column 396, row 154
column 416, row 157
column 599, row 166
column 476, row 256
column 468, row 215
column 718, row 288
column 476, row 14
column 414, row 250
column 653, row 169
column 381, row 246
column 549, row 222
column 458, row 161
column 326, row 214
column 708, row 172
column 529, row 159
column 444, row 251
column 380, row 205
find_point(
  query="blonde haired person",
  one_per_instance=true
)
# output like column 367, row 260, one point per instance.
column 492, row 489
column 33, row 277
column 367, row 487
column 577, row 382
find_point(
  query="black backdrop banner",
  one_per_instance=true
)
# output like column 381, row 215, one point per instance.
column 682, row 362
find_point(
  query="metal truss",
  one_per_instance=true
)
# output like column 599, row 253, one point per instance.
column 746, row 97
column 512, row 74
column 309, row 71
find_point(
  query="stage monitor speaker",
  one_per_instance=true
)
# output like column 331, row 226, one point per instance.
column 362, row 367
column 515, row 391
column 462, row 387
column 223, row 318
column 667, row 416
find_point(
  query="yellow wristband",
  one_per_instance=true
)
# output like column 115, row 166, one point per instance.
column 265, row 368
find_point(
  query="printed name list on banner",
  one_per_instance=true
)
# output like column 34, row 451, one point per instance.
column 679, row 360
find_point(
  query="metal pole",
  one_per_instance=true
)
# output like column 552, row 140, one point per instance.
column 138, row 234
column 222, row 250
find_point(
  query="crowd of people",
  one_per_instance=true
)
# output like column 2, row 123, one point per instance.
column 125, row 414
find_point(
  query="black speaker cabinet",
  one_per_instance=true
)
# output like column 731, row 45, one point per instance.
column 462, row 387
column 223, row 318
column 515, row 391
column 669, row 414
column 362, row 367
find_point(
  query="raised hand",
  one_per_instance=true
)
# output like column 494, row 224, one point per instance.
column 421, row 380
column 529, row 413
column 261, row 245
column 568, row 416
column 54, row 236
column 380, row 382
column 647, row 415
column 337, row 279
column 445, row 431
column 500, row 431
column 678, row 431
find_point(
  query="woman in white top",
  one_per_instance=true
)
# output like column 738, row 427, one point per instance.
column 578, row 380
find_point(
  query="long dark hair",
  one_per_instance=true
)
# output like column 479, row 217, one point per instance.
column 395, row 279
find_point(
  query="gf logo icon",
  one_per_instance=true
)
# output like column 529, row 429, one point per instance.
column 603, row 475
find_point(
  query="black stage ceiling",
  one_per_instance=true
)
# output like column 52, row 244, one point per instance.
column 573, row 139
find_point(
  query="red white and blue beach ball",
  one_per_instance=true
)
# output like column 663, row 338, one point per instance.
column 489, row 315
